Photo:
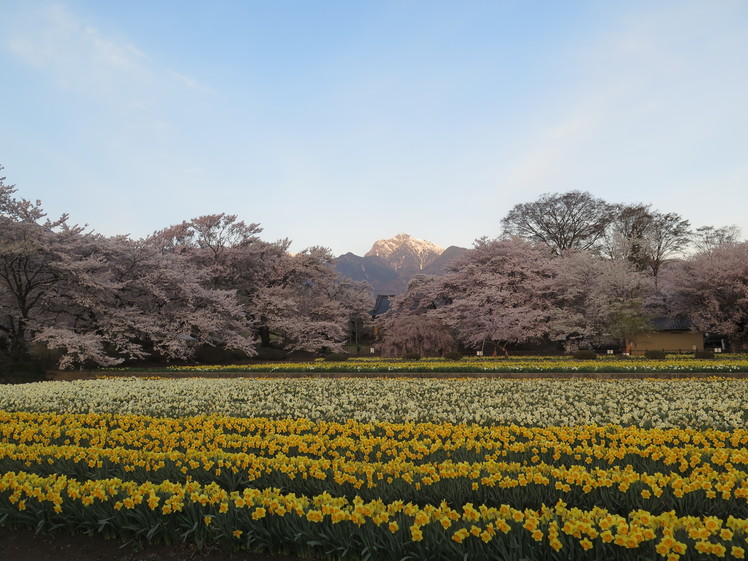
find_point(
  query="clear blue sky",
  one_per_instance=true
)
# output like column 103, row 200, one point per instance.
column 338, row 123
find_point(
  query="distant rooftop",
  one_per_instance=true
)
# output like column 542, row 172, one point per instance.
column 672, row 324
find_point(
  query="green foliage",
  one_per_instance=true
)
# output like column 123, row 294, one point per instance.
column 585, row 354
column 217, row 354
column 629, row 321
column 336, row 357
column 411, row 356
column 26, row 371
column 453, row 355
column 654, row 354
column 270, row 353
column 704, row 354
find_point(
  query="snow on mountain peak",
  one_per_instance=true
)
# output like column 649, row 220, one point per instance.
column 405, row 251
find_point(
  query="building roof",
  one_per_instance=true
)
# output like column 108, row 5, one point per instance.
column 671, row 324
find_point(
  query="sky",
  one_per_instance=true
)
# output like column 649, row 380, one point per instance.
column 341, row 122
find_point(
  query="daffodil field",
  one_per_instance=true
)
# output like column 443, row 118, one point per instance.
column 675, row 363
column 385, row 469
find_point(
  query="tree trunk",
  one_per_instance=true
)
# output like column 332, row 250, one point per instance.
column 17, row 336
column 264, row 334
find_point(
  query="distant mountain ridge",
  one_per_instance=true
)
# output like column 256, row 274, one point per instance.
column 392, row 262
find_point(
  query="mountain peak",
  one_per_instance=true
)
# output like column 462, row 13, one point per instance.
column 404, row 252
column 390, row 263
column 385, row 248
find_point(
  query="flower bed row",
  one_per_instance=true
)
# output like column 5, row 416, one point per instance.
column 269, row 520
column 431, row 470
column 555, row 364
column 691, row 472
column 700, row 404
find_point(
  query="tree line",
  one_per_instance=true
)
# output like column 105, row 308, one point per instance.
column 567, row 268
column 579, row 272
column 210, row 281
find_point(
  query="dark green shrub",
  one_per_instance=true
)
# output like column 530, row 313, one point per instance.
column 15, row 372
column 411, row 356
column 453, row 355
column 210, row 354
column 336, row 357
column 270, row 353
column 585, row 354
column 704, row 354
column 653, row 354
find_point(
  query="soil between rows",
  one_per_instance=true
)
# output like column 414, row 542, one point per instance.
column 24, row 545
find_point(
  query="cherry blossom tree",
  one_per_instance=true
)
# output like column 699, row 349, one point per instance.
column 298, row 301
column 411, row 326
column 501, row 292
column 711, row 289
column 101, row 300
column 603, row 299
column 220, row 243
column 423, row 334
column 118, row 299
column 305, row 303
column 33, row 257
column 510, row 291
